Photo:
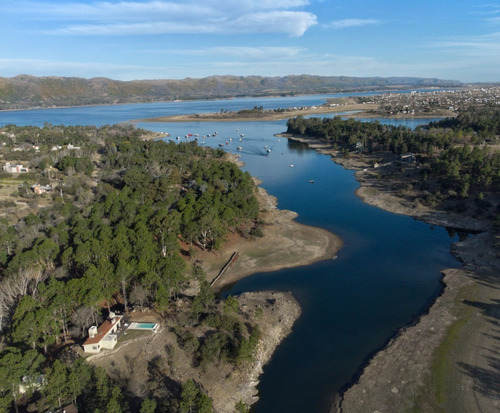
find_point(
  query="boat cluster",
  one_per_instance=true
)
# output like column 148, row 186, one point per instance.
column 197, row 137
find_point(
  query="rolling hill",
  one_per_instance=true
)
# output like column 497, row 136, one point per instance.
column 24, row 91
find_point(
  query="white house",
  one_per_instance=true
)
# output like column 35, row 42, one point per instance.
column 103, row 336
column 15, row 169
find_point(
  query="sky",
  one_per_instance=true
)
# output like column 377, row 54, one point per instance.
column 176, row 39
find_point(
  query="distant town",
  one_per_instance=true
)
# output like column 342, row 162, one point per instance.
column 425, row 103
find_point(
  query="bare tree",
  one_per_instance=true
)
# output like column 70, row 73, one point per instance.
column 139, row 296
column 83, row 318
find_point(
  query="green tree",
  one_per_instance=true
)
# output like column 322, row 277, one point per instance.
column 242, row 407
column 102, row 388
column 117, row 403
column 148, row 406
column 188, row 397
column 16, row 368
column 231, row 304
column 193, row 400
column 204, row 403
column 57, row 391
column 79, row 378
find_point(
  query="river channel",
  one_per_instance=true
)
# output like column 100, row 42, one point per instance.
column 387, row 273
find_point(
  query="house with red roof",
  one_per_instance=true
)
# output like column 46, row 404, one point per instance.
column 105, row 336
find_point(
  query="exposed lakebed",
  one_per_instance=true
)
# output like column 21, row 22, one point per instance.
column 386, row 274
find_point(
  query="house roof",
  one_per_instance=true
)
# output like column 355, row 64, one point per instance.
column 103, row 330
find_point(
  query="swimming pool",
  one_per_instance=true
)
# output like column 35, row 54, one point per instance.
column 144, row 326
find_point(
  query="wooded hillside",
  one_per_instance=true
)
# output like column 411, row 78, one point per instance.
column 121, row 220
column 25, row 91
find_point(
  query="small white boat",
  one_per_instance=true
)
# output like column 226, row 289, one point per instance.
column 292, row 165
column 239, row 148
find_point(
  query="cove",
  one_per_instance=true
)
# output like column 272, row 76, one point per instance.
column 387, row 273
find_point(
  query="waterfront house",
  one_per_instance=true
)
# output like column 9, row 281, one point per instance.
column 105, row 336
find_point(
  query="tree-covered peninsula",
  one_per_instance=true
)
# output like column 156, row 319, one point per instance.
column 447, row 163
column 106, row 220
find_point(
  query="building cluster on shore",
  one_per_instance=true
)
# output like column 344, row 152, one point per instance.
column 448, row 102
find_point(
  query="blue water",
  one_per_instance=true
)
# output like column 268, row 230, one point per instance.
column 147, row 326
column 111, row 114
column 386, row 274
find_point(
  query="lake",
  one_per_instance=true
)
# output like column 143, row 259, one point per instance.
column 387, row 273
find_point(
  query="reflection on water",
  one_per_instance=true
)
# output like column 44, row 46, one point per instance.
column 297, row 146
column 387, row 272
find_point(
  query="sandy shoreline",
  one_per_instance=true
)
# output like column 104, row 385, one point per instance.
column 269, row 115
column 358, row 110
column 285, row 243
column 448, row 361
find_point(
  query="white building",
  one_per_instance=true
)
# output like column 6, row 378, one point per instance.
column 103, row 336
column 15, row 169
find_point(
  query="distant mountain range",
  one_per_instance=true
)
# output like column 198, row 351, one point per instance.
column 26, row 91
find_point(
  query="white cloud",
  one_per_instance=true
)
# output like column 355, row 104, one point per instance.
column 245, row 53
column 345, row 23
column 487, row 45
column 291, row 23
column 174, row 16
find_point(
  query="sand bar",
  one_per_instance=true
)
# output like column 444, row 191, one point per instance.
column 285, row 243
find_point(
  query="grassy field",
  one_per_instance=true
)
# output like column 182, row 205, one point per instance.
column 12, row 204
